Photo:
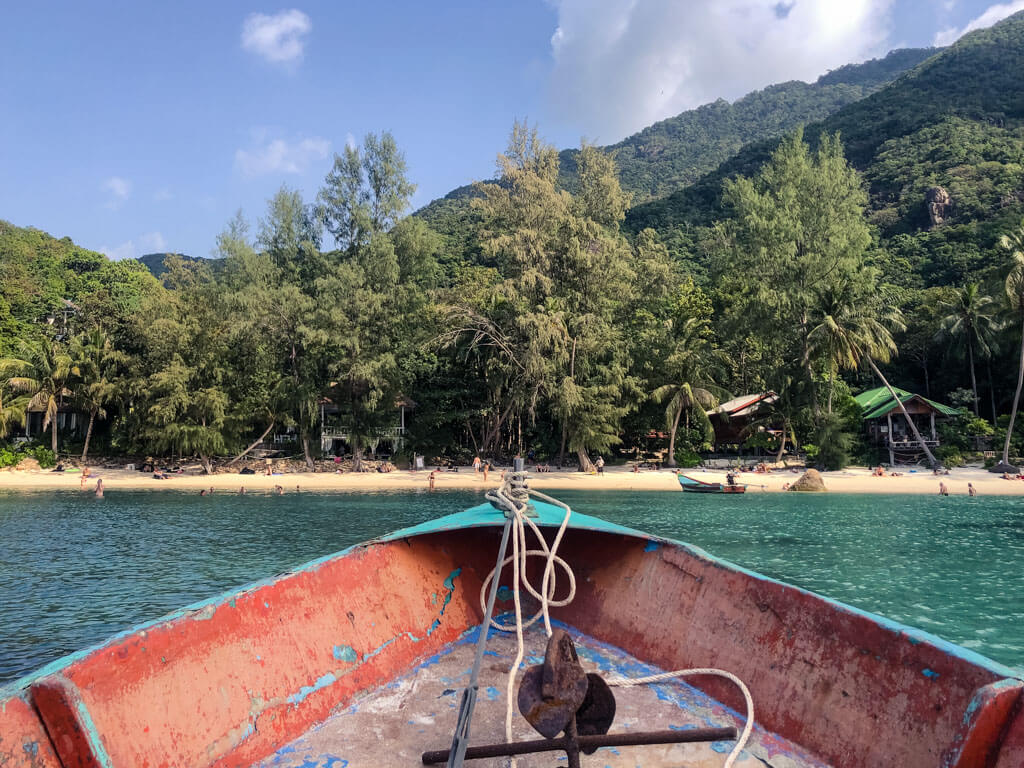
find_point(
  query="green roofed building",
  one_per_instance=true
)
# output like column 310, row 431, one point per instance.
column 887, row 426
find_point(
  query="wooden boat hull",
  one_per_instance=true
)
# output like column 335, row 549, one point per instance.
column 692, row 485
column 229, row 681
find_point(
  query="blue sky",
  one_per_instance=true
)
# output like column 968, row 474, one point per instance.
column 140, row 127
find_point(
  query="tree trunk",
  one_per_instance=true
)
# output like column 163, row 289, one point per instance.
column 831, row 390
column 357, row 455
column 251, row 446
column 1016, row 397
column 913, row 427
column 53, row 435
column 672, row 440
column 205, row 461
column 561, row 451
column 991, row 387
column 974, row 381
column 586, row 465
column 782, row 443
column 88, row 434
column 305, row 451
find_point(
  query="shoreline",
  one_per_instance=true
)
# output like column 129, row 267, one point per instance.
column 851, row 480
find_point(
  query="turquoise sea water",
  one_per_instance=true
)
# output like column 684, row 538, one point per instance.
column 75, row 569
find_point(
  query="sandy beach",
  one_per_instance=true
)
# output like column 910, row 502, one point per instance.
column 852, row 480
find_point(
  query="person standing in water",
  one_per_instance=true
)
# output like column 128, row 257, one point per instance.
column 971, row 490
column 99, row 488
column 943, row 490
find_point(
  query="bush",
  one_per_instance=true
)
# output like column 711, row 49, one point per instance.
column 950, row 456
column 686, row 457
column 44, row 456
column 9, row 458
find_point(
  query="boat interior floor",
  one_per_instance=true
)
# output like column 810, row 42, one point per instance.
column 394, row 724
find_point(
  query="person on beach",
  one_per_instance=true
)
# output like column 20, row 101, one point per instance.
column 600, row 465
column 432, row 475
column 99, row 488
column 971, row 490
column 487, row 468
column 943, row 490
column 476, row 464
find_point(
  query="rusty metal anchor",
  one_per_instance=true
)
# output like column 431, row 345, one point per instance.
column 559, row 696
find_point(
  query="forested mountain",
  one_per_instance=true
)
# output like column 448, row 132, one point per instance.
column 676, row 152
column 154, row 262
column 39, row 274
column 955, row 121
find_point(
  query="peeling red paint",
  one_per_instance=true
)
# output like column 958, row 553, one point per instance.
column 23, row 741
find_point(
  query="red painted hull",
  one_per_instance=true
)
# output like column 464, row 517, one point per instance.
column 229, row 682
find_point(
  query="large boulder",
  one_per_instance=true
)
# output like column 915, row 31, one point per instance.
column 1002, row 468
column 809, row 481
column 28, row 463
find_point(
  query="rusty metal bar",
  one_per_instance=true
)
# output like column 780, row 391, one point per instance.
column 460, row 739
column 587, row 742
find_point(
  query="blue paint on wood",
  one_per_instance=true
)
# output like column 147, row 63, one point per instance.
column 493, row 693
column 304, row 691
column 31, row 748
column 929, row 673
column 652, row 546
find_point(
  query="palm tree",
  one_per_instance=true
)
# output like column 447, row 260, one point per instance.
column 42, row 372
column 692, row 389
column 1014, row 287
column 970, row 321
column 95, row 357
column 854, row 331
column 12, row 411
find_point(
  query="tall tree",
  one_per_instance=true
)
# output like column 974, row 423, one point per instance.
column 373, row 286
column 1014, row 291
column 969, row 319
column 692, row 388
column 42, row 371
column 795, row 228
column 857, row 330
column 96, row 359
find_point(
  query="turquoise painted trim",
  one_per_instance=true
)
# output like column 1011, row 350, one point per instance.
column 484, row 515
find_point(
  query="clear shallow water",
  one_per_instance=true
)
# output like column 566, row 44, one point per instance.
column 75, row 569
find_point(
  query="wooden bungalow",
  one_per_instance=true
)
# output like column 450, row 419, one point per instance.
column 733, row 421
column 887, row 428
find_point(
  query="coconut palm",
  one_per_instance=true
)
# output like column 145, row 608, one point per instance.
column 692, row 389
column 42, row 372
column 856, row 330
column 969, row 319
column 1014, row 288
column 95, row 357
column 12, row 411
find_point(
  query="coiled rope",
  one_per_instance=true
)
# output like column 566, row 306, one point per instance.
column 513, row 497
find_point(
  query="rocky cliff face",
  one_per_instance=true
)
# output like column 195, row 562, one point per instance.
column 940, row 205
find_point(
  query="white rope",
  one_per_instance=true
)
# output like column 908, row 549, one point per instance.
column 625, row 682
column 515, row 501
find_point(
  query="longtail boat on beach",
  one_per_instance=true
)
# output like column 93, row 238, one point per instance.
column 693, row 485
column 398, row 652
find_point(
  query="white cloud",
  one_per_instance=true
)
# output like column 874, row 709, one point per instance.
column 277, row 38
column 281, row 156
column 150, row 242
column 163, row 194
column 350, row 141
column 992, row 14
column 119, row 189
column 619, row 66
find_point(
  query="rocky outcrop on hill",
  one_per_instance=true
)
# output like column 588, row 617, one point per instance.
column 940, row 205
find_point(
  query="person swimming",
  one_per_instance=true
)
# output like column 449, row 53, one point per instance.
column 99, row 488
